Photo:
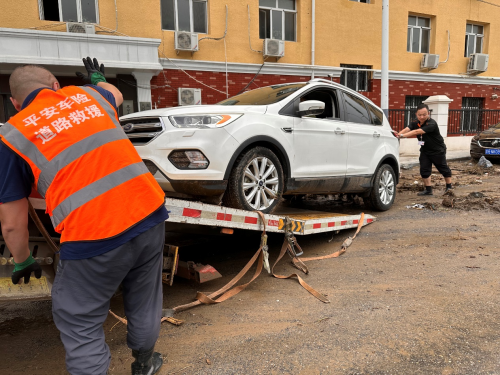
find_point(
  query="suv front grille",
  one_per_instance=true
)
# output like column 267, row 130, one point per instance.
column 489, row 142
column 141, row 131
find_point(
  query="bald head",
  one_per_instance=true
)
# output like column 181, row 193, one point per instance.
column 26, row 78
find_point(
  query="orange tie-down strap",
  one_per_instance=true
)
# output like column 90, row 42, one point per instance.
column 226, row 292
column 297, row 262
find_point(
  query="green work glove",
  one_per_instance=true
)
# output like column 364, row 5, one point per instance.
column 95, row 73
column 24, row 269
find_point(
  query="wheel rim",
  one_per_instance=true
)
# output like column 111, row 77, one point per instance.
column 386, row 187
column 260, row 183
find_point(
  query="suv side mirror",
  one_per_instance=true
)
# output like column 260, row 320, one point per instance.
column 311, row 107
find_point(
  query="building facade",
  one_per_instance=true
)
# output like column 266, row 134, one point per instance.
column 153, row 49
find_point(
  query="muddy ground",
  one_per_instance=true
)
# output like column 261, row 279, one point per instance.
column 416, row 293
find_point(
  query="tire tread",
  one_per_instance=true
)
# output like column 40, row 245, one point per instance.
column 373, row 200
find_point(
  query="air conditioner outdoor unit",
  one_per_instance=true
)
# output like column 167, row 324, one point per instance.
column 185, row 41
column 478, row 63
column 274, row 48
column 429, row 61
column 189, row 96
column 80, row 28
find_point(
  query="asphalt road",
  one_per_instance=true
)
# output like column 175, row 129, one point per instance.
column 416, row 293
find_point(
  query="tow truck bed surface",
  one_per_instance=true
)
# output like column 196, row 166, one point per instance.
column 300, row 222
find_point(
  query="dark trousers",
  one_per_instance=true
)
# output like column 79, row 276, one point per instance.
column 439, row 162
column 82, row 291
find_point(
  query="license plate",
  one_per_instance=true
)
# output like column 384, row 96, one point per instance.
column 492, row 151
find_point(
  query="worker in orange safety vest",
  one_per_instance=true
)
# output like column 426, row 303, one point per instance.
column 101, row 198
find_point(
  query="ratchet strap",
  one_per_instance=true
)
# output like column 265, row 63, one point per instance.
column 229, row 290
column 287, row 247
column 344, row 246
column 226, row 292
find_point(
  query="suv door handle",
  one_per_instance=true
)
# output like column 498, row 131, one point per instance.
column 339, row 131
column 376, row 135
column 287, row 130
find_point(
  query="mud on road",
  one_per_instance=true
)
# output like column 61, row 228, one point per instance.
column 416, row 293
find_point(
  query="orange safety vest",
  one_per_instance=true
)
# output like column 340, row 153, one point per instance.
column 94, row 183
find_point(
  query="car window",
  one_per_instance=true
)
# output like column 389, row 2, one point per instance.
column 376, row 114
column 264, row 95
column 329, row 97
column 356, row 110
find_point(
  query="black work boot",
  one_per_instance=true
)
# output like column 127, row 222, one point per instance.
column 146, row 362
column 427, row 191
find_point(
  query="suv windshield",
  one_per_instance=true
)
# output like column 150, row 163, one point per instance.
column 264, row 96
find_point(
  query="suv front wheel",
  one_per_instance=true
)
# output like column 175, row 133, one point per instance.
column 383, row 191
column 256, row 181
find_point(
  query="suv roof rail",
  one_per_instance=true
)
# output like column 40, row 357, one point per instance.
column 323, row 80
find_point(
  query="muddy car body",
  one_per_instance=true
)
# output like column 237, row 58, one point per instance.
column 486, row 143
column 250, row 150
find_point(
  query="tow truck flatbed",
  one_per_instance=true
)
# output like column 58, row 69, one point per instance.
column 304, row 222
column 300, row 222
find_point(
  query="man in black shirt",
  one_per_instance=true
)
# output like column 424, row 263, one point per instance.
column 432, row 148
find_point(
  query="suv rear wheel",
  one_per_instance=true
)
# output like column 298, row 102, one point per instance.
column 383, row 191
column 256, row 181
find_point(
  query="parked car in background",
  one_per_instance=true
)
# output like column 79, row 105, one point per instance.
column 486, row 143
column 290, row 139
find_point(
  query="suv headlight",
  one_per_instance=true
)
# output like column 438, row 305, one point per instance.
column 202, row 121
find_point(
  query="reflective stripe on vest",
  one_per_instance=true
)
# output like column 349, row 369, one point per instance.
column 104, row 103
column 16, row 138
column 50, row 169
column 95, row 189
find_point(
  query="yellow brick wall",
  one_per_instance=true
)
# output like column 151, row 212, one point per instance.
column 347, row 32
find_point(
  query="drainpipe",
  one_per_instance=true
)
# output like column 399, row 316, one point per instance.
column 313, row 34
column 384, row 84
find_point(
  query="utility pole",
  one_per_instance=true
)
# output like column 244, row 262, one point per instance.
column 313, row 35
column 384, row 83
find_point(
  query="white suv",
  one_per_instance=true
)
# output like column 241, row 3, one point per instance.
column 250, row 150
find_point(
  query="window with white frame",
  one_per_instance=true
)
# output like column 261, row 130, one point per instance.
column 69, row 10
column 419, row 34
column 277, row 19
column 184, row 15
column 355, row 77
column 474, row 36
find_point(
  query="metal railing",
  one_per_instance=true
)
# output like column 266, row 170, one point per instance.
column 471, row 121
column 398, row 118
column 401, row 118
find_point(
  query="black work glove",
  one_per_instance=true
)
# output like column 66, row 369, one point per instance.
column 24, row 269
column 95, row 73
